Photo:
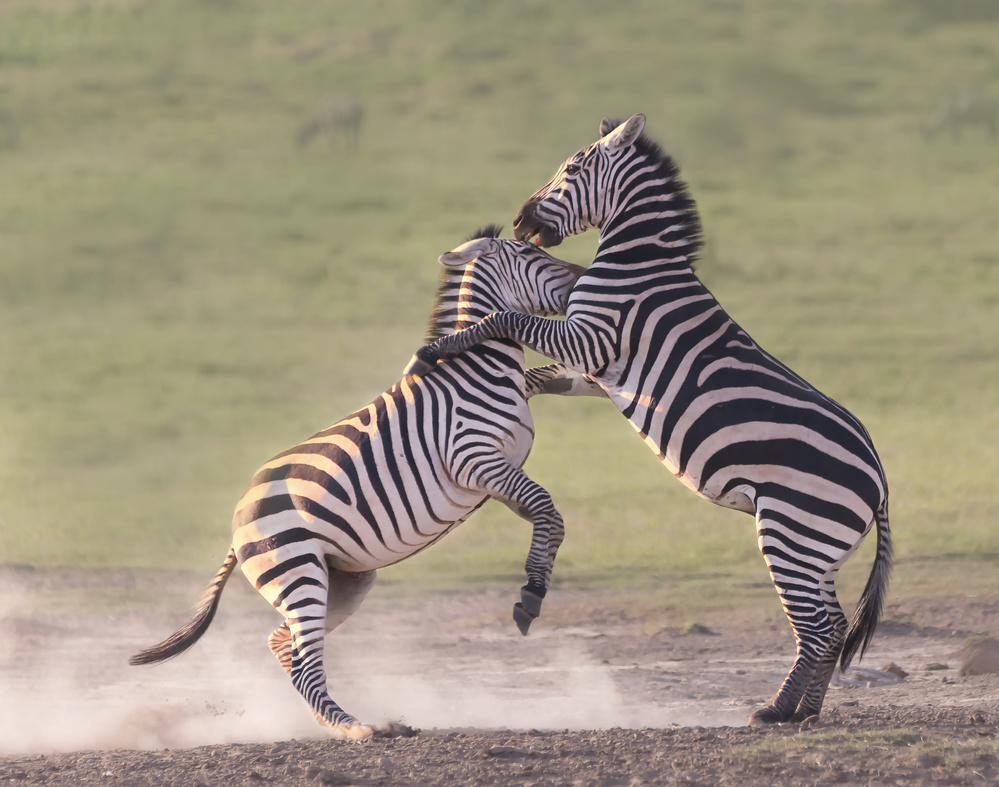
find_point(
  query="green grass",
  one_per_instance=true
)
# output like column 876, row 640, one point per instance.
column 184, row 292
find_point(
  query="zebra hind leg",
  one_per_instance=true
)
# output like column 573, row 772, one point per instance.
column 815, row 694
column 280, row 644
column 815, row 636
column 299, row 645
column 799, row 583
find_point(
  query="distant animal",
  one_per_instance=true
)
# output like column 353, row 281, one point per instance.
column 338, row 117
column 319, row 519
column 967, row 109
column 728, row 419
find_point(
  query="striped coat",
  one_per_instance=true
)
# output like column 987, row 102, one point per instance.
column 321, row 518
column 728, row 419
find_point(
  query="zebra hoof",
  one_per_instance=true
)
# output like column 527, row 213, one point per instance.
column 352, row 732
column 766, row 715
column 531, row 601
column 802, row 715
column 522, row 618
column 417, row 366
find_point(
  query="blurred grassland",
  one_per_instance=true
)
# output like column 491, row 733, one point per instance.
column 184, row 292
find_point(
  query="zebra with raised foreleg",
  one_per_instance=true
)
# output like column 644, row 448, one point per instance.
column 729, row 420
column 387, row 482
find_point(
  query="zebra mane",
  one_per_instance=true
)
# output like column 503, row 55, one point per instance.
column 669, row 169
column 444, row 315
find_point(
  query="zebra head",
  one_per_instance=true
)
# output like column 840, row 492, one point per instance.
column 509, row 275
column 580, row 195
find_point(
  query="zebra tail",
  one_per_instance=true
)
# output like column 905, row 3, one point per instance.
column 191, row 631
column 865, row 619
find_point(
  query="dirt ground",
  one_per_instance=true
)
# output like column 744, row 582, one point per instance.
column 591, row 697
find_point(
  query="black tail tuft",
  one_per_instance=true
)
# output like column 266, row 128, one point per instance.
column 191, row 631
column 865, row 619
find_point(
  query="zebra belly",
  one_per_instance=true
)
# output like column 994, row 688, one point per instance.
column 740, row 458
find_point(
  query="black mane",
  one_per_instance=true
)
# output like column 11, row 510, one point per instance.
column 668, row 168
column 682, row 198
column 444, row 314
column 485, row 231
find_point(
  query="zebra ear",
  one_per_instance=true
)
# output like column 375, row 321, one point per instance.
column 606, row 127
column 625, row 134
column 465, row 253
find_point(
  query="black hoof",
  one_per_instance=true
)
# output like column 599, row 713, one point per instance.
column 522, row 618
column 766, row 715
column 418, row 366
column 801, row 715
column 531, row 600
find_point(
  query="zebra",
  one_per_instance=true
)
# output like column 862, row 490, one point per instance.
column 335, row 116
column 967, row 109
column 319, row 519
column 728, row 419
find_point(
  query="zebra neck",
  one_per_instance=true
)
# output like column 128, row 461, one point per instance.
column 655, row 222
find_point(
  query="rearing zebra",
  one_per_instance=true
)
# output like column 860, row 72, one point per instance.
column 394, row 477
column 729, row 420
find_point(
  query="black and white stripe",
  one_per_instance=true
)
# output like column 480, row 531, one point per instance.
column 388, row 481
column 728, row 419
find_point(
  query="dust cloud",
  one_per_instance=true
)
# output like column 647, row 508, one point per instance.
column 65, row 685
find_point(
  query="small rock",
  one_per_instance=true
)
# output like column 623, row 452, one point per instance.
column 894, row 669
column 978, row 717
column 980, row 658
column 934, row 666
column 395, row 729
column 929, row 760
column 328, row 778
column 504, row 751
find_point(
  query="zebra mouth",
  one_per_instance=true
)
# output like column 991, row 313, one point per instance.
column 528, row 227
column 540, row 235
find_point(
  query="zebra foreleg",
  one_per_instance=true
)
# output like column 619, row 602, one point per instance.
column 530, row 501
column 560, row 340
column 559, row 380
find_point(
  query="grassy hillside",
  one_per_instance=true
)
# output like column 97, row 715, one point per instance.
column 185, row 292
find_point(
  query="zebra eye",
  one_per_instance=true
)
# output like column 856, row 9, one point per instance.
column 571, row 169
